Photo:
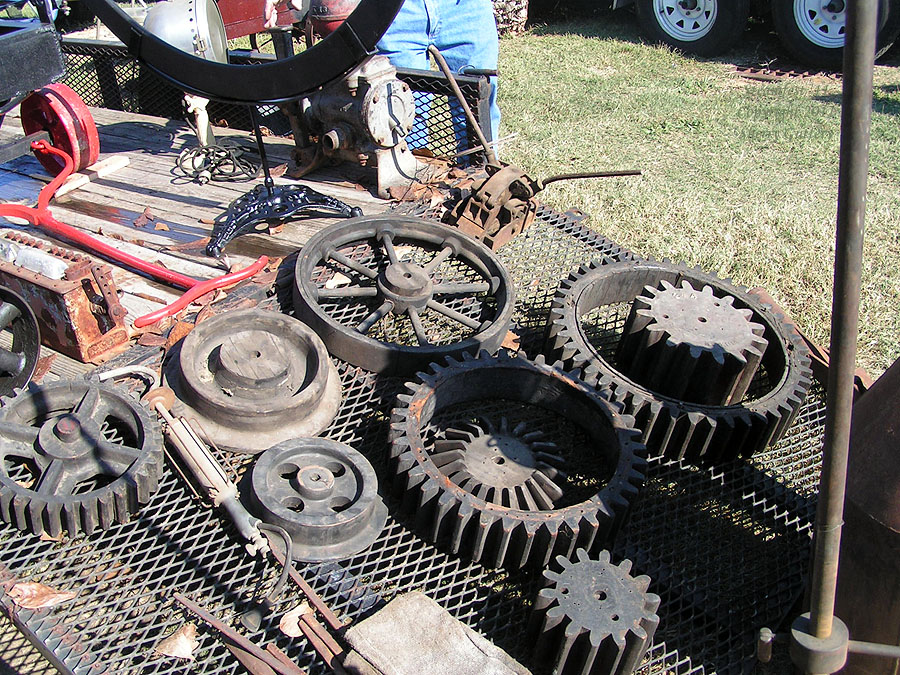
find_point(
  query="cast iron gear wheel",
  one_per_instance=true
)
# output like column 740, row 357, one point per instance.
column 504, row 534
column 674, row 428
column 593, row 617
column 77, row 456
column 392, row 294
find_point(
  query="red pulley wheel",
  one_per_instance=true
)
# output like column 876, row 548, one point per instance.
column 60, row 112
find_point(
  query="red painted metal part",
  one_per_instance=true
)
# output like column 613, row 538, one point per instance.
column 245, row 17
column 60, row 112
column 327, row 15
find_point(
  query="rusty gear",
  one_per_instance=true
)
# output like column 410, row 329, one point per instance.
column 76, row 456
column 675, row 428
column 504, row 534
column 594, row 617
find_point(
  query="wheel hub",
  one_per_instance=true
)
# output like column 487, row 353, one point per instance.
column 406, row 285
column 822, row 23
column 253, row 360
column 68, row 438
column 686, row 20
column 315, row 482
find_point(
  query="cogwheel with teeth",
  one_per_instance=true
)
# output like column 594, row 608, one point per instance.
column 76, row 456
column 686, row 364
column 493, row 491
column 593, row 617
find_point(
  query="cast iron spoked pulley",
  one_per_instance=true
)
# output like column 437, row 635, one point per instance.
column 492, row 489
column 593, row 617
column 59, row 111
column 17, row 363
column 252, row 378
column 392, row 294
column 708, row 371
column 76, row 456
column 323, row 493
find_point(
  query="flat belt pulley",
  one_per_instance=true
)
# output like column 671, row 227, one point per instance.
column 59, row 111
column 708, row 371
column 17, row 363
column 392, row 294
column 494, row 492
column 323, row 493
column 253, row 378
column 76, row 456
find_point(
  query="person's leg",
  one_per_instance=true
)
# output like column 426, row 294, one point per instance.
column 467, row 36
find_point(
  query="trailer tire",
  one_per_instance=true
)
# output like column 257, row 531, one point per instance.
column 815, row 36
column 700, row 27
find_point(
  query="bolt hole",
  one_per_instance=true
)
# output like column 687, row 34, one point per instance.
column 257, row 355
column 499, row 460
column 614, row 617
column 600, row 595
column 665, row 316
column 407, row 275
column 701, row 319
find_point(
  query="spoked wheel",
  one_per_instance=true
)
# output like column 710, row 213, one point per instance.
column 701, row 27
column 60, row 112
column 394, row 294
column 17, row 362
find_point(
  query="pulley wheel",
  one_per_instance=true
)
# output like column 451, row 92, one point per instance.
column 253, row 378
column 323, row 493
column 17, row 362
column 60, row 112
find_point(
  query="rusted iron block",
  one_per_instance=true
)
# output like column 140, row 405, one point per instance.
column 80, row 314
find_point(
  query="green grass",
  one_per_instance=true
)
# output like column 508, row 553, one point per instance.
column 740, row 177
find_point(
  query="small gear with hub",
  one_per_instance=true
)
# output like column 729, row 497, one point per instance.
column 493, row 492
column 593, row 617
column 679, row 377
column 76, row 456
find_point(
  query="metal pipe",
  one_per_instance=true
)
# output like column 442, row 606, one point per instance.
column 856, row 113
column 873, row 649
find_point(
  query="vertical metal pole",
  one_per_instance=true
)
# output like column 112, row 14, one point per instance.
column 254, row 118
column 856, row 113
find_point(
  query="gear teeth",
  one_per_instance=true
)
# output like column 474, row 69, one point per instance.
column 593, row 617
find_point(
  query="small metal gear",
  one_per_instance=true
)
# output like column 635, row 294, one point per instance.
column 593, row 618
column 690, row 344
column 458, row 497
column 76, row 456
column 583, row 333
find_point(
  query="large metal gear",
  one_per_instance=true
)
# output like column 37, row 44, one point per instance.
column 493, row 491
column 392, row 294
column 593, row 618
column 585, row 331
column 76, row 456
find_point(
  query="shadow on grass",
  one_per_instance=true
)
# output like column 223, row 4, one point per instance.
column 885, row 99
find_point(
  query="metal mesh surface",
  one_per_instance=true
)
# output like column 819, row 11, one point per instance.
column 727, row 548
column 105, row 75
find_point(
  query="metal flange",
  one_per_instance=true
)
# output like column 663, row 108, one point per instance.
column 253, row 378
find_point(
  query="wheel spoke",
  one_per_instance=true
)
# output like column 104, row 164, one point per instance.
column 439, row 257
column 88, row 405
column 419, row 329
column 453, row 314
column 347, row 292
column 374, row 317
column 358, row 267
column 461, row 288
column 8, row 314
column 388, row 244
column 11, row 363
column 55, row 479
column 17, row 439
column 118, row 457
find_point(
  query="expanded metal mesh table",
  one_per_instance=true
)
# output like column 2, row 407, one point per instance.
column 727, row 548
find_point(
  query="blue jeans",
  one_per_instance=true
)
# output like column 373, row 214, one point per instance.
column 464, row 31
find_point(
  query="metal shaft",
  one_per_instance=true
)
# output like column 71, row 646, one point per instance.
column 856, row 113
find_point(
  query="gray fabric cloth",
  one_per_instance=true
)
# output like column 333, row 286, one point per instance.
column 413, row 635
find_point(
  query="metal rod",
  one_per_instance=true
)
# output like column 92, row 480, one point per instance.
column 254, row 118
column 856, row 113
column 314, row 599
column 589, row 174
column 873, row 649
column 442, row 64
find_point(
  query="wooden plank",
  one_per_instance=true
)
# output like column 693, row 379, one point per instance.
column 102, row 168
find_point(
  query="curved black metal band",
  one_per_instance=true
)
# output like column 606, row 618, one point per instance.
column 275, row 82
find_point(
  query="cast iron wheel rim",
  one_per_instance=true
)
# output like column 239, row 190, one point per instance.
column 820, row 25
column 282, row 80
column 277, row 383
column 26, row 340
column 92, row 454
column 673, row 428
column 459, row 299
column 489, row 533
column 323, row 493
column 686, row 20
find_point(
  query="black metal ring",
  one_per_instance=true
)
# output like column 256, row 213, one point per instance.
column 276, row 82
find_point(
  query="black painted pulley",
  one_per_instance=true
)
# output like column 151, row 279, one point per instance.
column 18, row 361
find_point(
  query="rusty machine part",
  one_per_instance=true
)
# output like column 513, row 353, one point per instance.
column 77, row 456
column 323, row 493
column 253, row 378
column 325, row 16
column 593, row 617
column 59, row 111
column 492, row 493
column 363, row 118
column 74, row 299
column 595, row 297
column 17, row 363
column 392, row 294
